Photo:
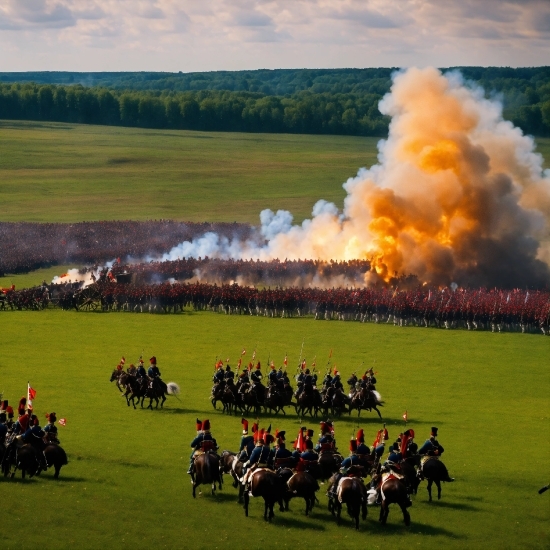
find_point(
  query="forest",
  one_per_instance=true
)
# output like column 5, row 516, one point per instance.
column 323, row 101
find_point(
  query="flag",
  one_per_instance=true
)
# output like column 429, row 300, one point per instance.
column 405, row 416
column 31, row 392
column 239, row 363
column 330, row 354
column 227, row 360
column 285, row 361
column 313, row 364
column 243, row 352
column 62, row 421
column 303, row 365
column 254, row 355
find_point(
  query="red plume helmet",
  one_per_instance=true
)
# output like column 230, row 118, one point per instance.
column 353, row 445
column 199, row 425
column 244, row 422
column 206, row 425
column 360, row 436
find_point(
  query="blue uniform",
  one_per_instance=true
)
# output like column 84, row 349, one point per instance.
column 395, row 456
column 379, row 451
column 153, row 371
column 141, row 373
column 260, row 455
column 327, row 438
column 309, row 455
column 51, row 428
column 362, row 449
column 430, row 447
column 350, row 461
column 247, row 443
column 3, row 431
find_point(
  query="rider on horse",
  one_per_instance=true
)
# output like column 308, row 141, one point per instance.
column 3, row 427
column 431, row 446
column 247, row 441
column 307, row 383
column 280, row 455
column 51, row 428
column 153, row 372
column 229, row 374
column 336, row 383
column 259, row 457
column 203, row 430
column 141, row 372
column 34, row 436
column 273, row 375
column 326, row 442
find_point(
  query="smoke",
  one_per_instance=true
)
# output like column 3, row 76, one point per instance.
column 458, row 194
column 76, row 276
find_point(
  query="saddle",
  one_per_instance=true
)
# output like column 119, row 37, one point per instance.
column 284, row 462
column 425, row 459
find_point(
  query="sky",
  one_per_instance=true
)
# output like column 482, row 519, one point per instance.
column 206, row 35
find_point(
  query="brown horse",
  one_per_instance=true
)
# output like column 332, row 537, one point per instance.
column 301, row 485
column 56, row 457
column 275, row 400
column 329, row 462
column 206, row 470
column 394, row 491
column 352, row 492
column 116, row 374
column 230, row 464
column 434, row 471
column 308, row 403
column 268, row 485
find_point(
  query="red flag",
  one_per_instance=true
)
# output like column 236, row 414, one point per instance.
column 313, row 364
column 32, row 393
column 62, row 421
column 405, row 416
column 303, row 365
column 285, row 361
column 300, row 443
column 239, row 363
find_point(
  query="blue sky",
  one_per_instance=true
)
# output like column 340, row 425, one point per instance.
column 202, row 35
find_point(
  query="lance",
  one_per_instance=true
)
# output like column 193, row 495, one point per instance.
column 300, row 360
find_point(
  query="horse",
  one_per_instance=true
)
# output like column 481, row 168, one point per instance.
column 275, row 400
column 434, row 471
column 228, row 400
column 206, row 470
column 135, row 388
column 329, row 462
column 352, row 492
column 216, row 394
column 308, row 403
column 25, row 459
column 230, row 464
column 365, row 399
column 338, row 402
column 115, row 375
column 159, row 390
column 301, row 485
column 394, row 491
column 268, row 485
column 56, row 457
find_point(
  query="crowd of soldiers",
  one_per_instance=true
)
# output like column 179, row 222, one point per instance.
column 26, row 246
column 25, row 430
column 251, row 272
column 248, row 389
column 263, row 450
column 481, row 309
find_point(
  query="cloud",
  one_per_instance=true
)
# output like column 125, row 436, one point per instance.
column 220, row 34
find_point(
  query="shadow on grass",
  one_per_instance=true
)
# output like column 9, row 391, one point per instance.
column 68, row 479
column 453, row 505
column 299, row 522
column 398, row 528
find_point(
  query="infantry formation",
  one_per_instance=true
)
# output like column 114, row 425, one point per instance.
column 479, row 309
column 278, row 474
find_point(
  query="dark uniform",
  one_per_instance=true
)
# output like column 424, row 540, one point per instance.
column 219, row 375
column 229, row 374
column 141, row 372
column 196, row 444
column 280, row 452
column 247, row 441
column 431, row 446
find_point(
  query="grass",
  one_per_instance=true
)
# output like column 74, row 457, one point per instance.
column 70, row 173
column 125, row 484
column 34, row 278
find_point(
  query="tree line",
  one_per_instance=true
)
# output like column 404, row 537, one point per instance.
column 315, row 101
column 305, row 112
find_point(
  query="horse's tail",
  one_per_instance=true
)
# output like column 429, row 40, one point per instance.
column 378, row 397
column 172, row 388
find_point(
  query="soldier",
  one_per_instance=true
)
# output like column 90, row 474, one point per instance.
column 219, row 375
column 153, row 372
column 141, row 372
column 34, row 436
column 336, row 383
column 247, row 441
column 352, row 459
column 309, row 454
column 395, row 455
column 203, row 434
column 23, row 422
column 272, row 376
column 3, row 427
column 51, row 428
column 258, row 458
column 280, row 455
column 326, row 441
column 256, row 376
column 306, row 383
column 431, row 446
column 229, row 374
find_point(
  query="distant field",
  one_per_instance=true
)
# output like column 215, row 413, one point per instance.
column 70, row 173
column 125, row 485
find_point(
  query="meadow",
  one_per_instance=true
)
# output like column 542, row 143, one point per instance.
column 125, row 484
column 55, row 172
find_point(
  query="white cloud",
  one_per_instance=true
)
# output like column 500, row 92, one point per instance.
column 236, row 34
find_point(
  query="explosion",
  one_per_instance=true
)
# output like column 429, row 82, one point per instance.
column 458, row 195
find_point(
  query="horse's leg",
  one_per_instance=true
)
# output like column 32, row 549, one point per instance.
column 376, row 409
column 194, row 487
column 438, row 483
column 406, row 515
column 364, row 509
column 430, row 481
column 338, row 511
column 356, row 515
column 271, row 513
column 213, row 487
column 241, row 494
column 307, row 505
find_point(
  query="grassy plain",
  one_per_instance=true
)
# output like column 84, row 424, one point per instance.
column 125, row 485
column 69, row 172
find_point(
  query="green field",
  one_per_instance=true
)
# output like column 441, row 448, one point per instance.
column 125, row 484
column 70, row 173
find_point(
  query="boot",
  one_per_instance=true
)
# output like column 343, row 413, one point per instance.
column 190, row 469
